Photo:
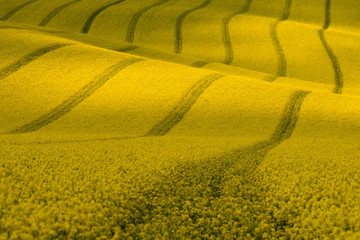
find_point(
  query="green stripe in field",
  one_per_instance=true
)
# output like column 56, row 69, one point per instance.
column 127, row 49
column 177, row 114
column 290, row 117
column 16, row 9
column 51, row 15
column 28, row 59
column 179, row 23
column 91, row 19
column 226, row 36
column 335, row 64
column 76, row 98
column 135, row 19
column 279, row 50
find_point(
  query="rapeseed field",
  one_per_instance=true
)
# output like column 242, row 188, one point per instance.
column 179, row 119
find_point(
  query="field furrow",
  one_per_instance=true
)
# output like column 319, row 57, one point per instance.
column 290, row 117
column 195, row 38
column 75, row 99
column 180, row 22
column 347, row 52
column 91, row 19
column 337, row 70
column 138, row 109
column 252, row 38
column 42, row 8
column 227, row 40
column 16, row 9
column 281, row 57
column 306, row 59
column 162, row 36
column 135, row 19
column 179, row 119
column 227, row 108
column 75, row 16
column 51, row 15
column 178, row 113
column 63, row 72
column 8, row 70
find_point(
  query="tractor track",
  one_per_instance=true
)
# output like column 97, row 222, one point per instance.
column 78, row 97
column 56, row 11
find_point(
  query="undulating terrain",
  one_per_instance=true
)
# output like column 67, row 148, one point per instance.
column 179, row 119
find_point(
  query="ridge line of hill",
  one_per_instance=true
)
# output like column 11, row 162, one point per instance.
column 226, row 34
column 12, row 68
column 70, row 103
column 335, row 63
column 56, row 11
column 136, row 17
column 16, row 9
column 142, row 51
column 179, row 23
column 90, row 20
column 259, row 150
column 184, row 105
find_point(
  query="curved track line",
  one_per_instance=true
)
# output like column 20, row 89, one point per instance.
column 199, row 64
column 16, row 9
column 290, row 116
column 51, row 15
column 226, row 33
column 135, row 19
column 185, row 104
column 12, row 68
column 257, row 152
column 270, row 78
column 91, row 19
column 127, row 49
column 76, row 98
column 280, row 52
column 180, row 22
column 334, row 61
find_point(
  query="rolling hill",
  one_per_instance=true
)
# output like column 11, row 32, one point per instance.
column 179, row 119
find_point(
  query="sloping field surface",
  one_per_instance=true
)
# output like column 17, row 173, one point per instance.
column 179, row 119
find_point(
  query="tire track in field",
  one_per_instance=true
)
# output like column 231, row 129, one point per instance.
column 56, row 11
column 199, row 64
column 12, row 68
column 135, row 19
column 273, row 32
column 179, row 25
column 257, row 152
column 240, row 166
column 91, row 19
column 185, row 104
column 16, row 9
column 76, row 98
column 334, row 61
column 226, row 33
column 289, row 118
column 127, row 49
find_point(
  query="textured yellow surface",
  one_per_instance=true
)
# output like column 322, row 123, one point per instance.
column 41, row 7
column 229, row 108
column 179, row 119
column 131, row 102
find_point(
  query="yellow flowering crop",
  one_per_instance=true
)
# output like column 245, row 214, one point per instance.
column 179, row 119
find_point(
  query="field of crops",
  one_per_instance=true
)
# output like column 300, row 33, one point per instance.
column 179, row 119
